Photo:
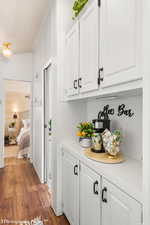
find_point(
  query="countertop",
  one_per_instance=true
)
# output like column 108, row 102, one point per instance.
column 126, row 175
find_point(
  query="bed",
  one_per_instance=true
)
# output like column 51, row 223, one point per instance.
column 23, row 140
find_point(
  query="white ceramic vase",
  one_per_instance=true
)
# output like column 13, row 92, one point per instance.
column 85, row 142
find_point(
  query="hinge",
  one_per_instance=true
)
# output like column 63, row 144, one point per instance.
column 100, row 79
column 99, row 3
column 62, row 205
column 62, row 153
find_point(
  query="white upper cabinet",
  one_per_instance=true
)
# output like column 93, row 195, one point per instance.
column 72, row 61
column 104, row 48
column 89, row 48
column 70, row 182
column 120, row 41
column 118, row 207
column 90, row 195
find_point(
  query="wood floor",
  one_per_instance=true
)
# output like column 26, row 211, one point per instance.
column 23, row 197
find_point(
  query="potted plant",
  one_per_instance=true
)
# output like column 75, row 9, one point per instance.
column 78, row 6
column 85, row 134
column 12, row 125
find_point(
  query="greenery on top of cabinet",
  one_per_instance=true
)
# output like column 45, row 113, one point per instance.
column 78, row 6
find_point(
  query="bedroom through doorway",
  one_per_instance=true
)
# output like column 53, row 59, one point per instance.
column 17, row 120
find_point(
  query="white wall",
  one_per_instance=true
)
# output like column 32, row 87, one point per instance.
column 146, row 111
column 131, row 128
column 44, row 49
column 66, row 116
column 18, row 67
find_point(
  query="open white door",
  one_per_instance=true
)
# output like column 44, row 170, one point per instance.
column 47, row 125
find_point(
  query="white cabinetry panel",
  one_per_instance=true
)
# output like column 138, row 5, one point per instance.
column 118, row 207
column 72, row 61
column 89, row 48
column 70, row 188
column 90, row 192
column 120, row 41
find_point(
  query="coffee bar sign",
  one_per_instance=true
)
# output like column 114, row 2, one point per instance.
column 121, row 111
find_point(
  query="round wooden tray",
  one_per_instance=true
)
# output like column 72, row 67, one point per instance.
column 104, row 157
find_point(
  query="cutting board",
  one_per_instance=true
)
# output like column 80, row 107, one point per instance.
column 104, row 157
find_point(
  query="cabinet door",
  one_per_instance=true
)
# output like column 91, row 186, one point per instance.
column 89, row 48
column 118, row 207
column 70, row 188
column 90, row 202
column 120, row 41
column 72, row 61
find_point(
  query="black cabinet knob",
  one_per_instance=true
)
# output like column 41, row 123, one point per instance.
column 100, row 78
column 103, row 193
column 75, row 170
column 79, row 82
column 75, row 84
column 95, row 185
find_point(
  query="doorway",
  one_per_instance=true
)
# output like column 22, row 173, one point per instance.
column 47, row 111
column 17, row 120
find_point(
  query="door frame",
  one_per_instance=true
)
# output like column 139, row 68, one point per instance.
column 45, row 67
column 3, row 118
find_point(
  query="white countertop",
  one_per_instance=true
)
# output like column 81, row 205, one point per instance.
column 127, row 175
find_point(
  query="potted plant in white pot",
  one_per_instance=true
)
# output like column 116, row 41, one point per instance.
column 11, row 127
column 85, row 134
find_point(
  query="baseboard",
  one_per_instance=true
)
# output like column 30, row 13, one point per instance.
column 57, row 212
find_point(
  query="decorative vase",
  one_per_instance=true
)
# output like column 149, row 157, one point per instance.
column 114, row 150
column 111, row 145
column 97, row 143
column 85, row 142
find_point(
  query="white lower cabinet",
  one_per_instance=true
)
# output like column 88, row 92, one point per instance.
column 89, row 197
column 118, row 208
column 70, row 188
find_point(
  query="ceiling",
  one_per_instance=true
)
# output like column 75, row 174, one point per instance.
column 20, row 21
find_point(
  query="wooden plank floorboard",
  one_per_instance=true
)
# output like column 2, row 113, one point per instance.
column 22, row 196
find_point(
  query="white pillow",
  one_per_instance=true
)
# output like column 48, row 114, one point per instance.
column 26, row 123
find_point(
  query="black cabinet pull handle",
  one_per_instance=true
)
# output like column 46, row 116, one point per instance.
column 103, row 192
column 75, row 84
column 100, row 79
column 94, row 188
column 75, row 170
column 79, row 82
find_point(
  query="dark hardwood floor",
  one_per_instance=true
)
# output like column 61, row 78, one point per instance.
column 23, row 197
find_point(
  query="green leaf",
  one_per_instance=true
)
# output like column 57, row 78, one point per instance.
column 78, row 6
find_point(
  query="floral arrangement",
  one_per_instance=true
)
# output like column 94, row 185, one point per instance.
column 12, row 125
column 86, row 130
column 111, row 141
column 78, row 6
column 117, row 135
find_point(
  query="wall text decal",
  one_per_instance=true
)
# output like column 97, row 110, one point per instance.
column 107, row 110
column 122, row 110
